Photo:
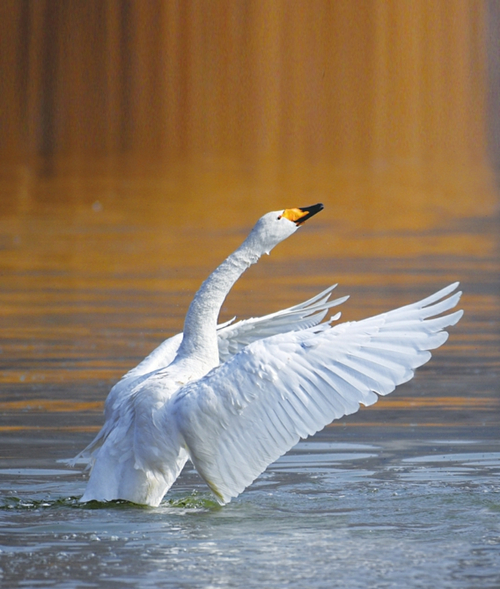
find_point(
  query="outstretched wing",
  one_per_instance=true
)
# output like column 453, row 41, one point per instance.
column 235, row 336
column 232, row 339
column 243, row 415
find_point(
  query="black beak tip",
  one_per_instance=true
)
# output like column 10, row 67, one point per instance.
column 311, row 210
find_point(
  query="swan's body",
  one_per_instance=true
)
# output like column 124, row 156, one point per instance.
column 234, row 398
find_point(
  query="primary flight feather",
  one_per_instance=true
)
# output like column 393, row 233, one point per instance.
column 233, row 398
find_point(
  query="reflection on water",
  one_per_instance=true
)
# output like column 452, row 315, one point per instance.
column 98, row 265
column 328, row 514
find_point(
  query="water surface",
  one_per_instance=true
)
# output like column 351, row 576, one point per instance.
column 99, row 265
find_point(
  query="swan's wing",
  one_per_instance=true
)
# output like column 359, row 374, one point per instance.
column 121, row 392
column 160, row 357
column 243, row 415
column 117, row 401
column 233, row 338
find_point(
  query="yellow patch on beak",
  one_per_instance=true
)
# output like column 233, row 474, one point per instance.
column 294, row 214
column 301, row 214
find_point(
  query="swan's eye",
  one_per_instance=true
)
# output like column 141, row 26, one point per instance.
column 279, row 217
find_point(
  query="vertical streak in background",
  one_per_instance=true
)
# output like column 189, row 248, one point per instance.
column 434, row 101
column 493, row 42
column 171, row 78
column 113, row 64
column 341, row 81
column 48, row 123
column 126, row 74
column 265, row 75
column 406, row 119
column 380, row 81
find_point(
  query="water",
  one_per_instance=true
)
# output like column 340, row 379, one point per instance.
column 343, row 514
column 403, row 494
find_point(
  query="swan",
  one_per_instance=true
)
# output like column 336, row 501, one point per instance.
column 233, row 398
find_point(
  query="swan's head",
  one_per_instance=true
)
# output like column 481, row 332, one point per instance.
column 274, row 227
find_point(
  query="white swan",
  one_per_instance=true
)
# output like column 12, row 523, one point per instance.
column 235, row 398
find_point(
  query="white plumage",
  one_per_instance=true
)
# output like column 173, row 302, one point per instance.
column 234, row 398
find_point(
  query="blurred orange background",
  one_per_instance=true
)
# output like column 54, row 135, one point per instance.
column 365, row 80
column 212, row 112
column 141, row 139
column 380, row 98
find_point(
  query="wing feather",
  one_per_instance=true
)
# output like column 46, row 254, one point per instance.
column 249, row 411
column 232, row 337
column 235, row 337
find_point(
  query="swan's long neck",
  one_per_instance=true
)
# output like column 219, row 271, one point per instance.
column 200, row 326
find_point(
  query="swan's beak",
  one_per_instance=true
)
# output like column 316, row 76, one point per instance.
column 298, row 216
